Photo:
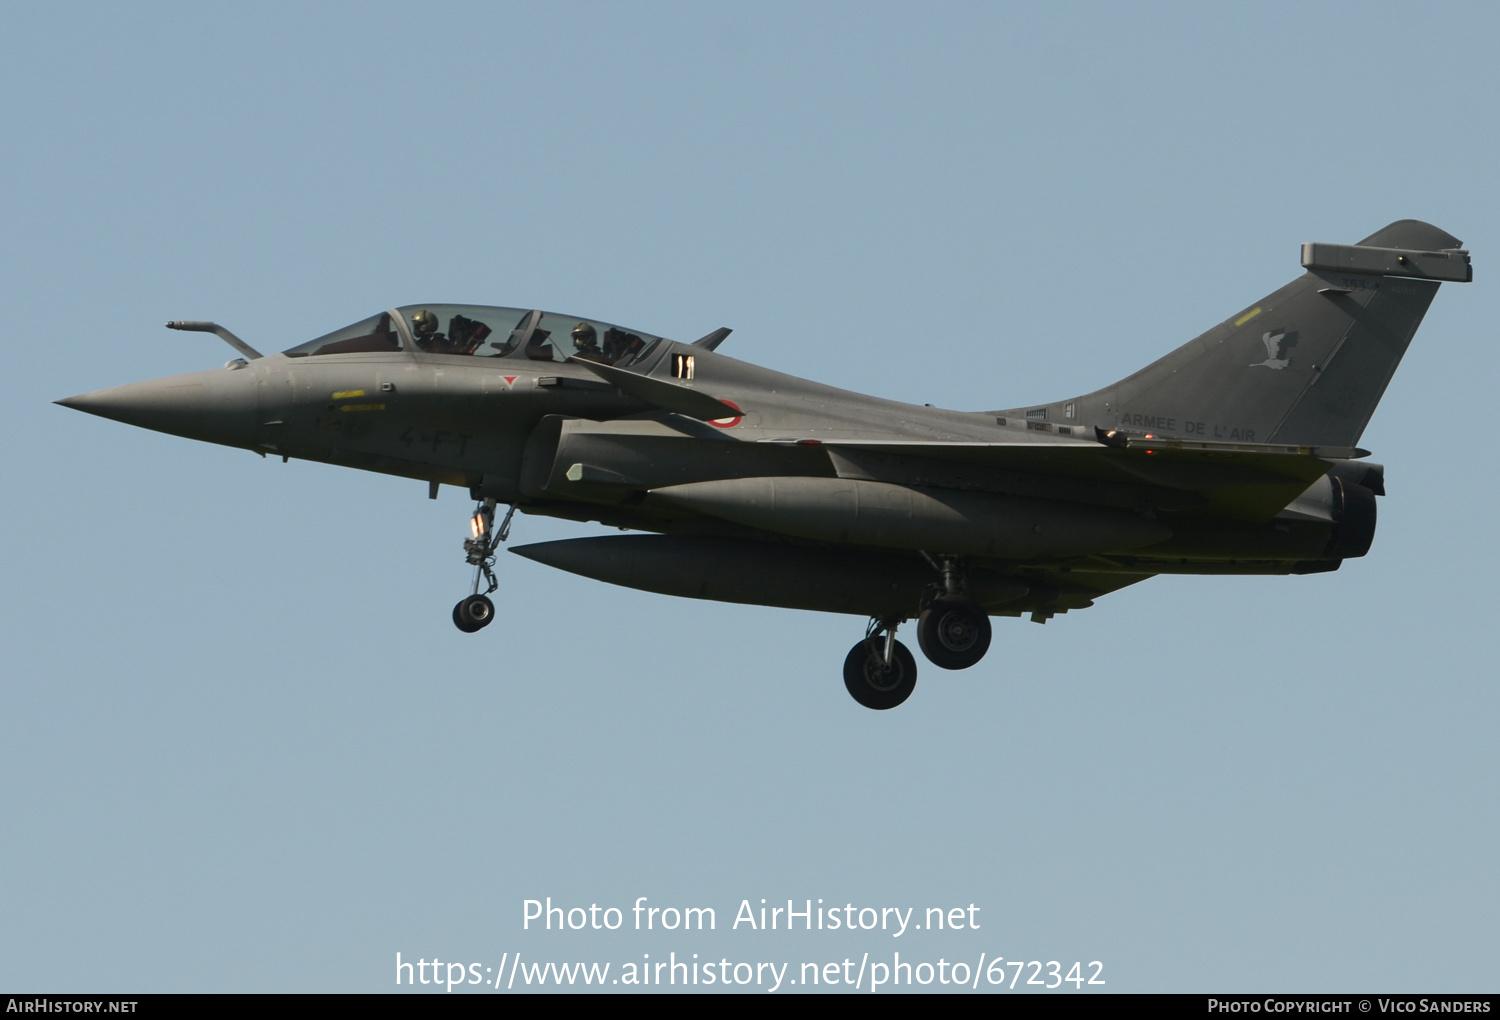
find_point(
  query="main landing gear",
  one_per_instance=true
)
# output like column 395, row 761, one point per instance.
column 879, row 672
column 477, row 611
column 953, row 631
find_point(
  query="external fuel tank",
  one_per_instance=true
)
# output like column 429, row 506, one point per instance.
column 880, row 514
column 765, row 574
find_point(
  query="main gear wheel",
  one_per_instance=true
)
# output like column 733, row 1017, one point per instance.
column 954, row 632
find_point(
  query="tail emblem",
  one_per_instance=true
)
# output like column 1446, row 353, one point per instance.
column 1275, row 344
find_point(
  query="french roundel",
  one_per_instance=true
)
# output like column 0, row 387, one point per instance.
column 727, row 423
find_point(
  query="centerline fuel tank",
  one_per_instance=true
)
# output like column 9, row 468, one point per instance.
column 866, row 513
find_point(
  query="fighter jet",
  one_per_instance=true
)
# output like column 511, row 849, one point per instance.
column 1233, row 454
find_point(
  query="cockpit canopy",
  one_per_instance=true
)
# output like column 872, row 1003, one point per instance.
column 484, row 332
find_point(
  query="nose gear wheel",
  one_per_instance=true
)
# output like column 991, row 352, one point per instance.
column 473, row 613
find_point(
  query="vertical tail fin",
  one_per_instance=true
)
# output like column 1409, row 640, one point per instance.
column 1304, row 365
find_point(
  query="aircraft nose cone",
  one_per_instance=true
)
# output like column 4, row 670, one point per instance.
column 204, row 405
column 161, row 404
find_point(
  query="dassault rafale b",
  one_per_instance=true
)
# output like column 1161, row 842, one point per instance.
column 1234, row 454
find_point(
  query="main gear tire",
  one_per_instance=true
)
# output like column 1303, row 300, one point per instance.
column 954, row 633
column 473, row 613
column 874, row 684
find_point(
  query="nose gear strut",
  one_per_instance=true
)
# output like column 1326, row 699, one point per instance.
column 477, row 611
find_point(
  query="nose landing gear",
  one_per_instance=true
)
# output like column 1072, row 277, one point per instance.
column 879, row 672
column 477, row 611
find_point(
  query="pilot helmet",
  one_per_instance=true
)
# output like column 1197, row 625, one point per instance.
column 584, row 336
column 425, row 323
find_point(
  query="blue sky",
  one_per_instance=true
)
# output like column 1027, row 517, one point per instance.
column 244, row 747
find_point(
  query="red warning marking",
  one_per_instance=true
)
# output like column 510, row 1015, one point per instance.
column 727, row 423
column 510, row 380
